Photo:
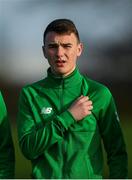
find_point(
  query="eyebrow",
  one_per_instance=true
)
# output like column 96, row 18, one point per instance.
column 58, row 44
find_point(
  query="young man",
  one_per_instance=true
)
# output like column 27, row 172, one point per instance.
column 7, row 155
column 63, row 118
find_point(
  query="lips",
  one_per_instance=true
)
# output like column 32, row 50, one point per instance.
column 60, row 63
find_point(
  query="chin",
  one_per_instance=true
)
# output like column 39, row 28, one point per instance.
column 61, row 73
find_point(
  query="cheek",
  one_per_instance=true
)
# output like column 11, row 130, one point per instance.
column 73, row 56
column 50, row 57
column 50, row 53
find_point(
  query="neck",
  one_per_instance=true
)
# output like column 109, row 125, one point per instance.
column 59, row 75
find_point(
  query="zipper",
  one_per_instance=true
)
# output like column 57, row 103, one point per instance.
column 65, row 166
column 61, row 107
column 61, row 94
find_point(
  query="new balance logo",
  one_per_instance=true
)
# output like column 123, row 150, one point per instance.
column 46, row 110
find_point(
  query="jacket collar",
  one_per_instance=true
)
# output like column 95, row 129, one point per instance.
column 72, row 80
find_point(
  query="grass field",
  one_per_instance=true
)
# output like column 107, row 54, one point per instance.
column 23, row 166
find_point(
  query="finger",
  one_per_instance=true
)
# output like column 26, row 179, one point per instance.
column 83, row 99
column 80, row 97
column 88, row 103
column 89, row 112
column 90, row 107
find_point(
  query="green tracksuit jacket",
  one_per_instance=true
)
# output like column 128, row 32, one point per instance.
column 7, row 156
column 57, row 145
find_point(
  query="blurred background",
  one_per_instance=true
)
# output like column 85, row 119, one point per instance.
column 105, row 28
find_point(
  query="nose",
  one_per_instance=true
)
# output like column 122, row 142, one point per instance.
column 60, row 51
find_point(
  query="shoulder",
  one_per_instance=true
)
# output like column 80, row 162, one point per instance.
column 31, row 90
column 3, row 111
column 34, row 86
column 97, row 88
column 2, row 103
column 100, row 95
column 1, row 97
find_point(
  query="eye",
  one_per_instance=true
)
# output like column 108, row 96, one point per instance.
column 67, row 45
column 52, row 46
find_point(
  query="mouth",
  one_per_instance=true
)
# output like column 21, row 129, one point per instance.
column 60, row 63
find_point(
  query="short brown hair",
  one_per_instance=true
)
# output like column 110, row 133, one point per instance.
column 61, row 26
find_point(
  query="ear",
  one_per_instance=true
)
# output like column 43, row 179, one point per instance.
column 44, row 53
column 80, row 49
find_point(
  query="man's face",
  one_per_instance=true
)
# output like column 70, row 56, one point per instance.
column 62, row 52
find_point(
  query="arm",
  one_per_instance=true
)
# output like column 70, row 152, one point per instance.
column 113, row 140
column 7, row 157
column 35, row 140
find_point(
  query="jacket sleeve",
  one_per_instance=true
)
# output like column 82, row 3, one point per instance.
column 7, row 155
column 34, row 140
column 113, row 139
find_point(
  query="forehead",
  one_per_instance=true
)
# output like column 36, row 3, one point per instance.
column 65, row 38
